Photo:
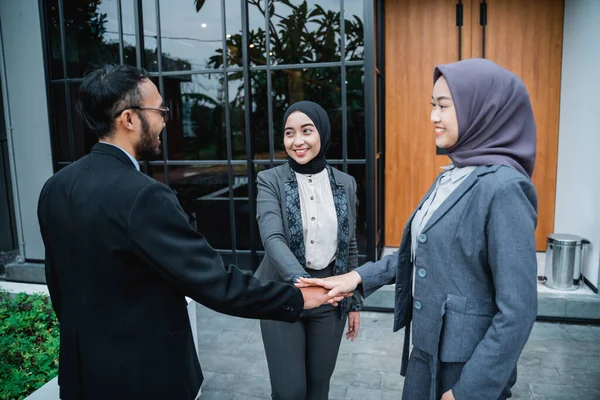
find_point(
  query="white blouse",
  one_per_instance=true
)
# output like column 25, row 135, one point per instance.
column 319, row 219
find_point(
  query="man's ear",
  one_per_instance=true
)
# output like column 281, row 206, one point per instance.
column 126, row 119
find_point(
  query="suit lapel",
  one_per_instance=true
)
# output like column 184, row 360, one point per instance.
column 455, row 196
column 340, row 200
column 294, row 218
column 406, row 233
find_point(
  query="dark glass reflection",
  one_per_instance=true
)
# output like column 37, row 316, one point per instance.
column 60, row 130
column 150, row 41
column 191, row 33
column 260, row 115
column 257, row 37
column 355, row 103
column 320, row 85
column 259, row 243
column 128, row 18
column 244, row 218
column 353, row 16
column 91, row 30
column 303, row 32
column 358, row 171
column 53, row 36
column 196, row 130
column 203, row 192
column 237, row 121
column 233, row 26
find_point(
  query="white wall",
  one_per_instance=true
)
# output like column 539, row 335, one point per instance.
column 578, row 178
column 25, row 101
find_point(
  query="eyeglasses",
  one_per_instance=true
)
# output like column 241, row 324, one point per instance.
column 164, row 111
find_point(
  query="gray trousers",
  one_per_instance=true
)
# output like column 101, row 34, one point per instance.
column 417, row 383
column 302, row 356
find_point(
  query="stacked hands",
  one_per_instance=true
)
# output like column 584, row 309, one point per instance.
column 331, row 290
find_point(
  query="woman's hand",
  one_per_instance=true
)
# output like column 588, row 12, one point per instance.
column 353, row 325
column 339, row 285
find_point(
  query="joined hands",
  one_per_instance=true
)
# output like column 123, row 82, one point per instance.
column 331, row 290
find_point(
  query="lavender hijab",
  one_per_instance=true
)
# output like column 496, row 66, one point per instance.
column 495, row 118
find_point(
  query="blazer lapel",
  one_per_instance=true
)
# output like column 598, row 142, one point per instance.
column 294, row 218
column 340, row 200
column 405, row 241
column 455, row 196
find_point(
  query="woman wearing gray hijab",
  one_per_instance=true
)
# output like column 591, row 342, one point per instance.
column 306, row 214
column 465, row 272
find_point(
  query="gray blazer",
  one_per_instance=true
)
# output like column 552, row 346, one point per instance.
column 280, row 223
column 475, row 296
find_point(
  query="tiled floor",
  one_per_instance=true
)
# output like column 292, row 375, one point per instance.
column 560, row 361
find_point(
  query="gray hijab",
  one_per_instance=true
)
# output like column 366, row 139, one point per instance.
column 495, row 118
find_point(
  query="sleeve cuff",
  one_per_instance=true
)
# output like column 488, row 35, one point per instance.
column 297, row 277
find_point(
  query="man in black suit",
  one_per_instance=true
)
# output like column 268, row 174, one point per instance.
column 121, row 257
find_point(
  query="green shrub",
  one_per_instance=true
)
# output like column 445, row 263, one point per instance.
column 29, row 343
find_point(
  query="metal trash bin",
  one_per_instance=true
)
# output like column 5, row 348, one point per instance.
column 564, row 256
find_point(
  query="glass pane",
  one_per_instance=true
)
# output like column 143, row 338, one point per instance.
column 196, row 130
column 54, row 44
column 244, row 218
column 128, row 16
column 60, row 131
column 83, row 139
column 355, row 102
column 354, row 17
column 150, row 57
column 91, row 30
column 257, row 38
column 359, row 173
column 236, row 115
column 260, row 113
column 259, row 244
column 320, row 85
column 204, row 196
column 191, row 34
column 233, row 25
column 303, row 32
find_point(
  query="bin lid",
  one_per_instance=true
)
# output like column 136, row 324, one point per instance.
column 566, row 239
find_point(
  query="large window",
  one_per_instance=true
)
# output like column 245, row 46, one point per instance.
column 228, row 70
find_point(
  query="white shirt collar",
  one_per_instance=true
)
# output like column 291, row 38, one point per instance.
column 458, row 173
column 314, row 177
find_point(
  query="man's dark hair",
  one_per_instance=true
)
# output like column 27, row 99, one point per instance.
column 105, row 91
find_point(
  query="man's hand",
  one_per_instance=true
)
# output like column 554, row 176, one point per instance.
column 448, row 396
column 315, row 296
column 353, row 325
column 339, row 285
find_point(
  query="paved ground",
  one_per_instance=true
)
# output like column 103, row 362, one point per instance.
column 560, row 361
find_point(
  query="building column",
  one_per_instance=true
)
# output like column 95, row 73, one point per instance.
column 22, row 70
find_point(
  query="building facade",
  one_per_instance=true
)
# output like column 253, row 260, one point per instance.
column 228, row 70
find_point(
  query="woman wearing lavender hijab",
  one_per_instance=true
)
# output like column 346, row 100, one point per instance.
column 465, row 272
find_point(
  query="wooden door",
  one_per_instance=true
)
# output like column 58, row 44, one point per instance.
column 524, row 36
column 419, row 34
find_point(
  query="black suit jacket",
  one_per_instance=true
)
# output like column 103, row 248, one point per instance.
column 120, row 259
